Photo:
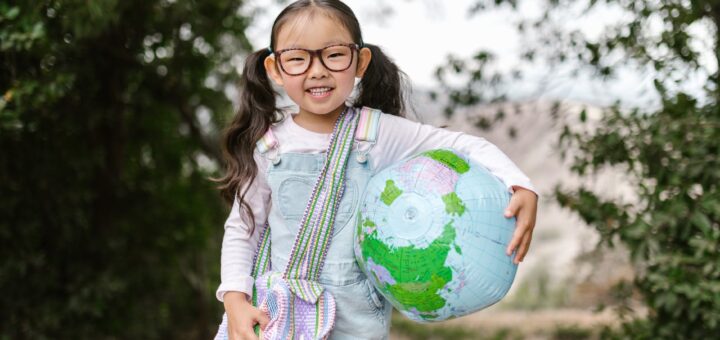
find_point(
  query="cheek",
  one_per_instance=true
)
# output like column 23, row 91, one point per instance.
column 347, row 77
column 293, row 84
column 347, row 81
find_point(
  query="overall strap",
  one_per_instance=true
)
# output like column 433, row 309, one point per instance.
column 367, row 132
column 261, row 260
column 269, row 144
column 368, row 123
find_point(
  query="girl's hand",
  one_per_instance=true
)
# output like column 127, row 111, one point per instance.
column 523, row 205
column 242, row 316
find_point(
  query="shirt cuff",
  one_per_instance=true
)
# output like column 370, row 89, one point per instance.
column 523, row 185
column 243, row 285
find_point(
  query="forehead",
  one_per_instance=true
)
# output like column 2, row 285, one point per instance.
column 312, row 29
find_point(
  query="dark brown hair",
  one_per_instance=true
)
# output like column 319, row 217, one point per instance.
column 382, row 87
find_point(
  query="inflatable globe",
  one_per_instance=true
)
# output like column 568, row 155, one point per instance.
column 431, row 236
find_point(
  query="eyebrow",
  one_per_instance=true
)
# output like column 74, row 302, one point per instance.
column 327, row 43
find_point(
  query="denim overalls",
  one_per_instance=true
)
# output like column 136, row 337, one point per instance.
column 361, row 312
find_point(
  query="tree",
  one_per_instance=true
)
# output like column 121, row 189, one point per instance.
column 670, row 153
column 108, row 117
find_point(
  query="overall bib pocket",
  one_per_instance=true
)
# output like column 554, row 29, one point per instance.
column 299, row 188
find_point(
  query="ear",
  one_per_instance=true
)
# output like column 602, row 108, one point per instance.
column 272, row 70
column 364, row 57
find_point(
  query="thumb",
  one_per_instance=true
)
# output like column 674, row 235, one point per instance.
column 263, row 319
column 512, row 207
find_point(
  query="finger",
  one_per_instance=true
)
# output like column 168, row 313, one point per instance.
column 248, row 335
column 520, row 228
column 263, row 320
column 516, row 238
column 526, row 218
column 523, row 249
column 512, row 207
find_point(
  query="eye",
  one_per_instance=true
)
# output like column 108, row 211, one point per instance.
column 294, row 58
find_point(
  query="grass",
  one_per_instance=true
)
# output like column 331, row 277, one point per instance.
column 407, row 329
column 572, row 332
column 414, row 330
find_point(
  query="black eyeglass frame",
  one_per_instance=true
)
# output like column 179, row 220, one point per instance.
column 313, row 54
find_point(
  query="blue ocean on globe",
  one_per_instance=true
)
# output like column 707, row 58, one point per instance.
column 431, row 236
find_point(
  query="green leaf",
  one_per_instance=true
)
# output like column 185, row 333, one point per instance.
column 12, row 13
column 701, row 221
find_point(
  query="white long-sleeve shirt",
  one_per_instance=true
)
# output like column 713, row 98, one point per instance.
column 398, row 138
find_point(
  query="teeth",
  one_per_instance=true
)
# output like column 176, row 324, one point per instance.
column 319, row 90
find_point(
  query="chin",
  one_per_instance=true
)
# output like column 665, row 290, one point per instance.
column 323, row 110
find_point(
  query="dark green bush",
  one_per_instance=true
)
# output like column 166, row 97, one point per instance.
column 108, row 224
column 670, row 151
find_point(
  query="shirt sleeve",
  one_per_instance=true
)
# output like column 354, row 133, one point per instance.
column 400, row 138
column 239, row 242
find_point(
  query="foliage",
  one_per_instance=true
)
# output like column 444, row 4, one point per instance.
column 108, row 224
column 670, row 153
column 672, row 231
column 571, row 332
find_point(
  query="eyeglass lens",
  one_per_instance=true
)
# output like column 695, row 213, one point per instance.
column 335, row 58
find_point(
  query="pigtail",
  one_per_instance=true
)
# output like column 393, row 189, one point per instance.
column 383, row 85
column 256, row 113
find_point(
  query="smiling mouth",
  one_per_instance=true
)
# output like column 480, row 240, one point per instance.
column 319, row 91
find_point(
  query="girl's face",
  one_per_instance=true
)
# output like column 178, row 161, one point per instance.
column 318, row 91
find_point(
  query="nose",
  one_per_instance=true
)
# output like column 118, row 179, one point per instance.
column 317, row 69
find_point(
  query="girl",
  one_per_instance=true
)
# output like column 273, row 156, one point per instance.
column 316, row 52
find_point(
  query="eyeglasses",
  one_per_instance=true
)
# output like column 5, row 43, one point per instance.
column 296, row 61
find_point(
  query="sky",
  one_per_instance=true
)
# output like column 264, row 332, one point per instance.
column 420, row 34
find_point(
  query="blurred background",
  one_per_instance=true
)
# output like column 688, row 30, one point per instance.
column 111, row 113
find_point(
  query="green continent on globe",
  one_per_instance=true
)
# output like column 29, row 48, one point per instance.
column 450, row 159
column 453, row 204
column 418, row 273
column 390, row 193
column 368, row 223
